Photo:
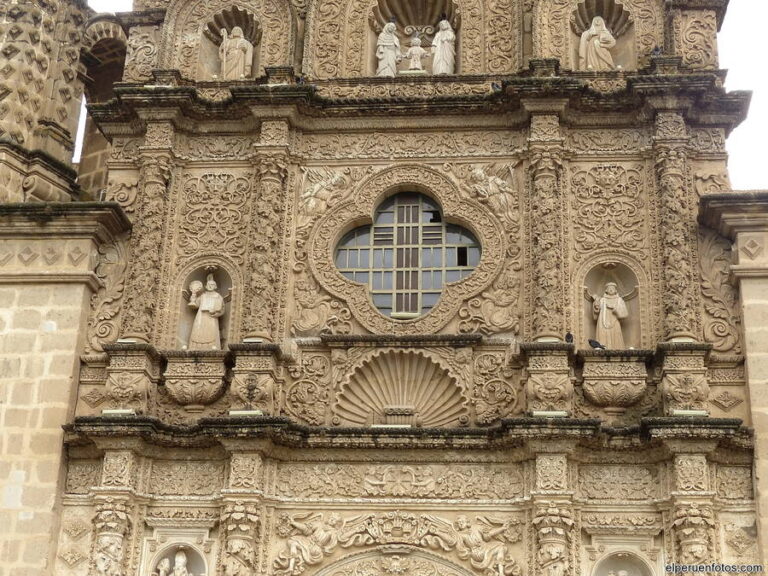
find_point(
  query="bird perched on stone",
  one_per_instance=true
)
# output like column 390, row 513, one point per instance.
column 569, row 338
column 596, row 344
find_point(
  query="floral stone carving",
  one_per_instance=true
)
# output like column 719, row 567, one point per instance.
column 615, row 382
column 195, row 379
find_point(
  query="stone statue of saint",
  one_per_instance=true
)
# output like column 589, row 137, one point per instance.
column 609, row 310
column 388, row 51
column 164, row 567
column 210, row 307
column 444, row 49
column 180, row 564
column 594, row 53
column 415, row 54
column 236, row 54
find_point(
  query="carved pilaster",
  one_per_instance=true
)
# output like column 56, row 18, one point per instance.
column 240, row 517
column 692, row 35
column 253, row 383
column 111, row 528
column 684, row 383
column 676, row 215
column 132, row 374
column 554, row 525
column 693, row 528
column 265, row 250
column 549, row 387
column 545, row 182
column 155, row 163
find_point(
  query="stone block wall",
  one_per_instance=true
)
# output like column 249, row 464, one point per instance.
column 46, row 282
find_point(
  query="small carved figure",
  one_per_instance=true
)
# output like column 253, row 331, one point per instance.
column 180, row 564
column 236, row 55
column 444, row 49
column 609, row 310
column 210, row 307
column 594, row 53
column 415, row 54
column 163, row 567
column 311, row 541
column 388, row 51
column 484, row 548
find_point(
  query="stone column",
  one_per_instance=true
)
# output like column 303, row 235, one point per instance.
column 676, row 220
column 149, row 233
column 265, row 252
column 553, row 522
column 743, row 217
column 546, row 217
column 240, row 522
column 47, row 279
column 693, row 519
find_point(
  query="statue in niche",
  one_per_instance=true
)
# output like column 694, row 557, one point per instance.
column 210, row 307
column 180, row 564
column 444, row 49
column 609, row 310
column 388, row 51
column 415, row 54
column 164, row 567
column 594, row 48
column 236, row 55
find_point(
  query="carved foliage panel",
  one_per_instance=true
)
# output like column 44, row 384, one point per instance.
column 609, row 209
column 720, row 299
column 186, row 21
column 552, row 27
column 141, row 53
column 695, row 37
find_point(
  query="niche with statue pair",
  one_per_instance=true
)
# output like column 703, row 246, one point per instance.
column 414, row 38
column 204, row 315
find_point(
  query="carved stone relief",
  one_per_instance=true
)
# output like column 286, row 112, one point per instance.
column 486, row 38
column 694, row 34
column 722, row 322
column 142, row 52
column 186, row 24
column 552, row 23
column 368, row 194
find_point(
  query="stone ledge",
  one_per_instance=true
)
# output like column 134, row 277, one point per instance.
column 104, row 220
column 454, row 340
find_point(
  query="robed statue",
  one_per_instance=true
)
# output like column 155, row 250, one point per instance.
column 236, row 55
column 595, row 45
column 210, row 307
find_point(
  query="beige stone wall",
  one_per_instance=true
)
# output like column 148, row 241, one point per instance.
column 754, row 300
column 40, row 329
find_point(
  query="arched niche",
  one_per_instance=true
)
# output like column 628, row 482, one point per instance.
column 209, row 59
column 413, row 18
column 554, row 21
column 622, row 564
column 187, row 313
column 341, row 39
column 177, row 556
column 619, row 22
column 103, row 54
column 629, row 289
column 189, row 45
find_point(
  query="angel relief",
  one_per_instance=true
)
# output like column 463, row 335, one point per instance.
column 311, row 537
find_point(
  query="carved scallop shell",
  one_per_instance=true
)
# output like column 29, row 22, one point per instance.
column 412, row 16
column 401, row 388
column 616, row 17
column 228, row 19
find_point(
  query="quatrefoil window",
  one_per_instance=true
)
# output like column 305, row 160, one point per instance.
column 407, row 255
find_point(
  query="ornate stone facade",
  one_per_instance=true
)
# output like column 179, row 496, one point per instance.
column 326, row 323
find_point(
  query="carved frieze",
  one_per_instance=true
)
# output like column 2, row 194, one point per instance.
column 487, row 482
column 619, row 483
column 186, row 478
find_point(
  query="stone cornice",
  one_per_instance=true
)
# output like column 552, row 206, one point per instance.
column 100, row 220
column 735, row 212
column 701, row 94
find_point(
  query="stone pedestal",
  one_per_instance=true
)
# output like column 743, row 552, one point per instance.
column 195, row 379
column 684, row 384
column 615, row 379
column 549, row 388
column 132, row 374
